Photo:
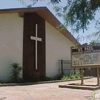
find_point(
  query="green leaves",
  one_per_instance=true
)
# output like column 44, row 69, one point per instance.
column 15, row 72
column 55, row 1
column 78, row 13
column 72, row 76
column 61, row 28
column 29, row 3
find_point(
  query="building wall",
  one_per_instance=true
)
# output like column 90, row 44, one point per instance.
column 57, row 48
column 11, row 45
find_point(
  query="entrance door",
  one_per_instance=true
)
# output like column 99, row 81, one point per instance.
column 33, row 47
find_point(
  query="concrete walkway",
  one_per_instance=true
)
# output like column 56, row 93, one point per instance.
column 49, row 91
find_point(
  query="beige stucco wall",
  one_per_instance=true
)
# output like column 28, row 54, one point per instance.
column 11, row 45
column 57, row 48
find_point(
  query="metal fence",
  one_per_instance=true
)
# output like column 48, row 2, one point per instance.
column 65, row 68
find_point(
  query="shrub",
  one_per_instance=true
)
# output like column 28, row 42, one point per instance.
column 15, row 72
column 65, row 78
column 72, row 76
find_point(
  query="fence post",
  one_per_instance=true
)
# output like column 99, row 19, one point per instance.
column 74, row 71
column 62, row 73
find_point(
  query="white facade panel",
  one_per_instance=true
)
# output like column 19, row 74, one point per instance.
column 57, row 48
column 11, row 43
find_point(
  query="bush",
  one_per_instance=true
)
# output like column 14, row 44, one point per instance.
column 15, row 72
column 65, row 78
column 72, row 76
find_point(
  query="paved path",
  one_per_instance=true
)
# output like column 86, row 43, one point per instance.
column 49, row 91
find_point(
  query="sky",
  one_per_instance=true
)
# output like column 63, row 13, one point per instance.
column 7, row 4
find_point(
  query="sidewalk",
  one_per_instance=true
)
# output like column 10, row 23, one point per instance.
column 49, row 91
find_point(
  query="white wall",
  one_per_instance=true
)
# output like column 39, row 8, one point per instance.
column 11, row 43
column 57, row 48
column 11, row 46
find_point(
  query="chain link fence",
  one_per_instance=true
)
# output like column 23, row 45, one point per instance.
column 65, row 68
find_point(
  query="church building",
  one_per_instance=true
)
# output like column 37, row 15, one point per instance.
column 29, row 37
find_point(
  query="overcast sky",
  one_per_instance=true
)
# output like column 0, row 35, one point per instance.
column 6, row 4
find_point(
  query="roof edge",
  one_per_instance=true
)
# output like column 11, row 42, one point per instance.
column 36, row 9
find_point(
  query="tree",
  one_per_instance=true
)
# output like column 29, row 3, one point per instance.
column 79, row 13
column 32, row 2
column 94, row 43
column 76, row 13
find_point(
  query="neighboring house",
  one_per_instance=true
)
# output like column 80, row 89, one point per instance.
column 29, row 36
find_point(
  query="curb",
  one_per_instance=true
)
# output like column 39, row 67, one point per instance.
column 43, row 82
column 80, row 87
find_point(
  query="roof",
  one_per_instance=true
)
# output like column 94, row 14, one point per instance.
column 46, row 14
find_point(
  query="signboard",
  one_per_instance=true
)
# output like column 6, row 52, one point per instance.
column 83, row 57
